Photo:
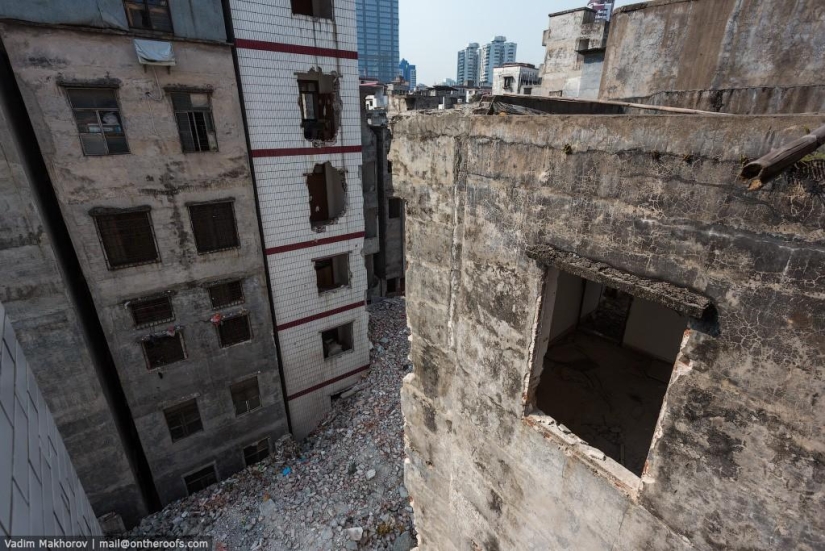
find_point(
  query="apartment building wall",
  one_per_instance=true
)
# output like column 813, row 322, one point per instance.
column 276, row 48
column 42, row 303
column 493, row 54
column 156, row 175
column 377, row 28
column 40, row 491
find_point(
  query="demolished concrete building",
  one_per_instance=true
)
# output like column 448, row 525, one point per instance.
column 617, row 344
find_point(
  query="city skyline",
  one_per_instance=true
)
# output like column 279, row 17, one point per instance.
column 523, row 23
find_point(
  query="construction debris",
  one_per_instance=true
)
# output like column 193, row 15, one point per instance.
column 341, row 488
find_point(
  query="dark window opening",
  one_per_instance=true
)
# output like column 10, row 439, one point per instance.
column 508, row 83
column 313, row 8
column 332, row 273
column 127, row 238
column 97, row 115
column 150, row 311
column 214, row 226
column 607, row 364
column 183, row 420
column 201, row 479
column 370, row 223
column 226, row 294
column 396, row 208
column 234, row 330
column 150, row 15
column 337, row 340
column 327, row 195
column 246, row 396
column 318, row 109
column 196, row 127
column 257, row 452
column 161, row 350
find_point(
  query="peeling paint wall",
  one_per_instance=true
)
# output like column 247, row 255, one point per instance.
column 737, row 458
column 156, row 173
column 682, row 45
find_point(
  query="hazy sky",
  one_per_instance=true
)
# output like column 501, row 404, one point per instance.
column 432, row 31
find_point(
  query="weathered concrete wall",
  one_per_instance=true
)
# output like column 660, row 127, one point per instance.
column 40, row 493
column 37, row 300
column 743, row 101
column 202, row 19
column 669, row 45
column 156, row 173
column 737, row 461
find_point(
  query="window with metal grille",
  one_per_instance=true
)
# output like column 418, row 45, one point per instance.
column 201, row 479
column 214, row 226
column 226, row 294
column 150, row 311
column 150, row 15
column 183, row 420
column 246, row 396
column 313, row 8
column 161, row 350
column 337, row 340
column 317, row 110
column 193, row 112
column 256, row 452
column 396, row 207
column 234, row 330
column 97, row 115
column 127, row 238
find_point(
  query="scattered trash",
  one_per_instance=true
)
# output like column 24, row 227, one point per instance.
column 286, row 471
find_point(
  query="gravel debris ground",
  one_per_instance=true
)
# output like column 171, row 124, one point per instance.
column 341, row 488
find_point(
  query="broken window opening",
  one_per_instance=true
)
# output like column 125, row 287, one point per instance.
column 201, row 479
column 607, row 357
column 332, row 273
column 225, row 294
column 149, row 15
column 337, row 340
column 127, row 238
column 396, row 207
column 163, row 349
column 234, row 330
column 257, row 452
column 214, row 226
column 313, row 8
column 183, row 420
column 196, row 127
column 246, row 396
column 327, row 195
column 318, row 100
column 151, row 311
column 97, row 115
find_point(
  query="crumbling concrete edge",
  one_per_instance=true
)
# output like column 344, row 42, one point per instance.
column 667, row 294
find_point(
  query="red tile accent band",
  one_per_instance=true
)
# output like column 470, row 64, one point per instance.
column 327, row 383
column 322, row 315
column 294, row 48
column 314, row 243
column 296, row 151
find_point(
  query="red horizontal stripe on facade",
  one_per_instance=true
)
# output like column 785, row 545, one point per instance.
column 294, row 49
column 314, row 243
column 296, row 151
column 327, row 383
column 322, row 315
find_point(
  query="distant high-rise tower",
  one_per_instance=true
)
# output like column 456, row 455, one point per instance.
column 604, row 9
column 494, row 54
column 467, row 70
column 377, row 39
column 407, row 72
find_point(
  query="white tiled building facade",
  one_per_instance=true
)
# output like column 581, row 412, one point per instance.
column 275, row 45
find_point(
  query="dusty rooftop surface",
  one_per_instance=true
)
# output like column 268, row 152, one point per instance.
column 346, row 478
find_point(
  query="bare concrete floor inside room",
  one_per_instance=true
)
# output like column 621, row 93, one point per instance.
column 608, row 395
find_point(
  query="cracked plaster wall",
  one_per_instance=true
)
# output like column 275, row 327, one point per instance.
column 738, row 460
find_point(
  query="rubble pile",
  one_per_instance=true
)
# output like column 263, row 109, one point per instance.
column 341, row 488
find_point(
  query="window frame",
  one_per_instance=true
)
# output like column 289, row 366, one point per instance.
column 142, row 300
column 214, row 469
column 211, row 286
column 257, row 451
column 209, row 120
column 176, row 410
column 231, row 202
column 179, row 335
column 233, row 318
column 351, row 325
column 241, row 383
column 97, row 114
column 400, row 206
column 97, row 215
column 314, row 9
column 147, row 9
